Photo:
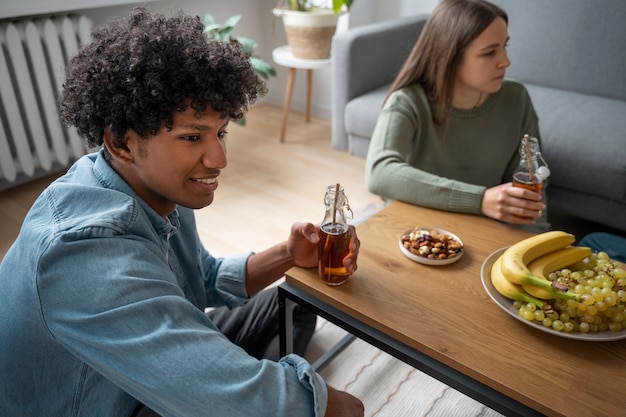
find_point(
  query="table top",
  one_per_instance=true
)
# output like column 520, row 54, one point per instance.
column 283, row 56
column 444, row 312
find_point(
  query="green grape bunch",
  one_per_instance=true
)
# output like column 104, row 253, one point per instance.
column 601, row 282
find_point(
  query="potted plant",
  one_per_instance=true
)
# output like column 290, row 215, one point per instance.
column 305, row 5
column 310, row 25
column 224, row 33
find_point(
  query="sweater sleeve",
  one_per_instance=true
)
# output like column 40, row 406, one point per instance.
column 404, row 124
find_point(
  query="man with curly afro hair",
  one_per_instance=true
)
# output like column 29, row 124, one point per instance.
column 104, row 295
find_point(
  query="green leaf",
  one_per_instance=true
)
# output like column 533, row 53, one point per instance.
column 298, row 5
column 248, row 44
column 232, row 21
column 208, row 19
column 224, row 33
column 263, row 68
column 209, row 29
column 337, row 5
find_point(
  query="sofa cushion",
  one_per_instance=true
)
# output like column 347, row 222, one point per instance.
column 362, row 112
column 574, row 45
column 583, row 137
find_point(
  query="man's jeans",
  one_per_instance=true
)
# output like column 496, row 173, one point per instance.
column 613, row 245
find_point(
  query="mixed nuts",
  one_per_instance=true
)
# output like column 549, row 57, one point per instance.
column 431, row 244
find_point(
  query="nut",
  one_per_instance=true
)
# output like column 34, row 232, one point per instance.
column 431, row 244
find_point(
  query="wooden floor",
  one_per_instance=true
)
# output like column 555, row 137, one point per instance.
column 266, row 187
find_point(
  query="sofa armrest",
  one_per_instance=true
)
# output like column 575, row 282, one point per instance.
column 365, row 58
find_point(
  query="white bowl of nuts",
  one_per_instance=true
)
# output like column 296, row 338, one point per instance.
column 431, row 246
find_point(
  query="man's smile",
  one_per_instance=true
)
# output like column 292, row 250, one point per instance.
column 205, row 180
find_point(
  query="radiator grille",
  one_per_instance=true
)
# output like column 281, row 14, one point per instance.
column 32, row 61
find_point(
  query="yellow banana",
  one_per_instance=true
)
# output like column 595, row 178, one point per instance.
column 508, row 289
column 555, row 261
column 517, row 256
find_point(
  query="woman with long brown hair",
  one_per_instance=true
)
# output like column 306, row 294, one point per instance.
column 449, row 131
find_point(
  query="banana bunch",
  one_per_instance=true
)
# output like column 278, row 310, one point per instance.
column 521, row 272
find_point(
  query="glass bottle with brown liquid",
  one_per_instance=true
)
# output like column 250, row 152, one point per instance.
column 532, row 170
column 334, row 236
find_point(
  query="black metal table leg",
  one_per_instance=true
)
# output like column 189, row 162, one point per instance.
column 288, row 294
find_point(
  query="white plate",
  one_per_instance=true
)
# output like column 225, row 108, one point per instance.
column 507, row 305
column 427, row 261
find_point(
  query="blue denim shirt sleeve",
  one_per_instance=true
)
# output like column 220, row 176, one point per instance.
column 177, row 352
column 105, row 307
column 310, row 379
column 224, row 278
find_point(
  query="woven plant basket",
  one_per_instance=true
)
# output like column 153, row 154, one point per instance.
column 310, row 42
column 310, row 33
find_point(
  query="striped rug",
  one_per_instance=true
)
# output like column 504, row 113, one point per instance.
column 387, row 386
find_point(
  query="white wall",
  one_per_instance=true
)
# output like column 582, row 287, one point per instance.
column 257, row 22
column 363, row 12
column 13, row 8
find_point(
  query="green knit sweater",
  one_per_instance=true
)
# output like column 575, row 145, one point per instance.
column 448, row 167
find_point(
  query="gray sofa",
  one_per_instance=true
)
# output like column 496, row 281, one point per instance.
column 570, row 54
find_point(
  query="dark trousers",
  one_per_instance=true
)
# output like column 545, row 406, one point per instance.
column 254, row 327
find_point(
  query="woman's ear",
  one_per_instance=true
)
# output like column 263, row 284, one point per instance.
column 119, row 152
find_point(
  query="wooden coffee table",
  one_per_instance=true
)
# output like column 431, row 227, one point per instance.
column 440, row 320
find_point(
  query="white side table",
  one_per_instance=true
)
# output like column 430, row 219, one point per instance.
column 283, row 56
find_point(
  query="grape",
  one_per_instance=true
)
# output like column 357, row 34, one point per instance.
column 539, row 315
column 527, row 314
column 610, row 312
column 601, row 282
column 597, row 295
column 558, row 325
column 592, row 310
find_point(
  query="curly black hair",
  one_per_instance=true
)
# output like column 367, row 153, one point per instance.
column 136, row 72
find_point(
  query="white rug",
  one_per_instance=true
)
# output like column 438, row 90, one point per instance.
column 387, row 386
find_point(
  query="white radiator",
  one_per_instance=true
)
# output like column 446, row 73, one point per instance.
column 33, row 55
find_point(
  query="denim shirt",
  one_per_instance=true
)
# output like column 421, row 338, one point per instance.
column 102, row 305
